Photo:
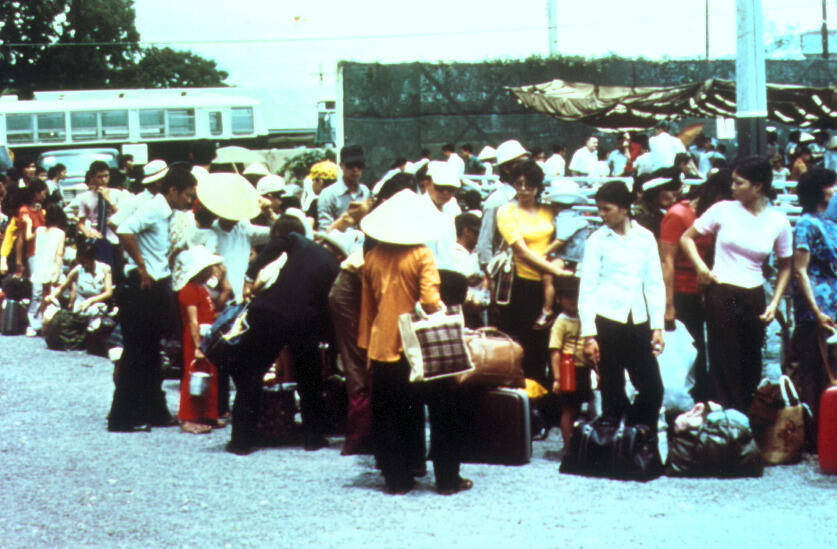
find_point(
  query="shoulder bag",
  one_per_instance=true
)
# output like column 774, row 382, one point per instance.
column 434, row 344
column 501, row 273
column 497, row 358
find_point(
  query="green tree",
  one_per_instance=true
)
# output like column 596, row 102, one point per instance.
column 88, row 44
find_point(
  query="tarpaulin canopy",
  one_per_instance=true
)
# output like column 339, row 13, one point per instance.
column 636, row 108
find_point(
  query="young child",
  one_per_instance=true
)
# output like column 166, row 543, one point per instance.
column 565, row 345
column 193, row 268
column 46, row 263
column 567, row 250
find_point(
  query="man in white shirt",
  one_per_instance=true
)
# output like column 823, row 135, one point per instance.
column 585, row 159
column 334, row 200
column 235, row 240
column 664, row 146
column 450, row 156
column 440, row 194
column 146, row 306
column 555, row 165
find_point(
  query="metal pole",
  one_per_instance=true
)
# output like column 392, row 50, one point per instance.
column 552, row 28
column 706, row 12
column 750, row 79
column 824, row 32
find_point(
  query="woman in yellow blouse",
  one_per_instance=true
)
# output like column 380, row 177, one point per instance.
column 527, row 228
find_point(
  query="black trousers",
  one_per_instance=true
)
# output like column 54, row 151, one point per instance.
column 517, row 319
column 627, row 347
column 810, row 376
column 691, row 313
column 261, row 344
column 144, row 316
column 735, row 337
column 398, row 424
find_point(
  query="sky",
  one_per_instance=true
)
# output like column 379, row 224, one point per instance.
column 295, row 45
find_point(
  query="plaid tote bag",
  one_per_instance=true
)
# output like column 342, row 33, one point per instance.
column 434, row 344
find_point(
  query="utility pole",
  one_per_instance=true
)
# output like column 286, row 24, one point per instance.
column 824, row 32
column 552, row 28
column 750, row 79
column 706, row 17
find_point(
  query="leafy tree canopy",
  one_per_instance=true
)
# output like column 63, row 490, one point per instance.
column 35, row 50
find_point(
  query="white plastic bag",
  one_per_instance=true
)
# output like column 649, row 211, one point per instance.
column 677, row 364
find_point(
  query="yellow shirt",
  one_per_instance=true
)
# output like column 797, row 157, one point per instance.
column 564, row 336
column 535, row 229
column 9, row 238
column 394, row 279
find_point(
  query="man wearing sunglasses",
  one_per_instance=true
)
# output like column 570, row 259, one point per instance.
column 334, row 200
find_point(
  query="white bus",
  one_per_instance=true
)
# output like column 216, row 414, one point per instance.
column 166, row 120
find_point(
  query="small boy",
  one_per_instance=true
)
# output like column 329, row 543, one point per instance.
column 564, row 346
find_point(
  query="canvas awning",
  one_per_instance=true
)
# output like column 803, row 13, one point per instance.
column 637, row 108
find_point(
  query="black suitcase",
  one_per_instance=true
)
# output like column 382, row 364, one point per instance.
column 497, row 427
column 13, row 321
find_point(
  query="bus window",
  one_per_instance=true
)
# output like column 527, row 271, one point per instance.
column 84, row 126
column 181, row 121
column 152, row 123
column 19, row 128
column 242, row 120
column 51, row 127
column 216, row 125
column 114, row 124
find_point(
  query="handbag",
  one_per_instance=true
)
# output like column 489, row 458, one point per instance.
column 497, row 358
column 434, row 345
column 222, row 344
column 501, row 273
column 782, row 441
column 608, row 447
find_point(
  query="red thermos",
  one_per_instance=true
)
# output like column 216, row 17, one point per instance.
column 827, row 426
column 566, row 371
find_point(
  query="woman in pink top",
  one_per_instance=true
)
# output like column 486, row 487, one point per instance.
column 746, row 230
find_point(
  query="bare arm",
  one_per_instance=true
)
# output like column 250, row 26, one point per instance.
column 801, row 259
column 554, row 246
column 667, row 254
column 195, row 330
column 687, row 244
column 782, row 279
column 538, row 262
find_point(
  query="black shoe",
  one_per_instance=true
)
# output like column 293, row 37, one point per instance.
column 461, row 485
column 238, row 449
column 141, row 428
column 315, row 442
column 400, row 488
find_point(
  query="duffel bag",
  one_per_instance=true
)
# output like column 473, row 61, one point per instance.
column 67, row 331
column 608, row 447
column 221, row 346
column 722, row 445
column 497, row 358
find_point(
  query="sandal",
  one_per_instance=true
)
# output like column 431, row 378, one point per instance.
column 195, row 428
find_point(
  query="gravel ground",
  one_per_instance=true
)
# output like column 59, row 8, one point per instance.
column 66, row 482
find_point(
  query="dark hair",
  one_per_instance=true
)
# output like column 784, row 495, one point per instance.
column 717, row 187
column 285, row 225
column 530, row 171
column 641, row 140
column 290, row 202
column 681, row 157
column 98, row 166
column 53, row 172
column 615, row 192
column 804, row 149
column 794, row 136
column 204, row 217
column 425, row 153
column 535, row 151
column 759, row 172
column 448, row 147
column 467, row 147
column 37, row 186
column 86, row 247
column 811, row 185
column 396, row 184
column 472, row 199
column 400, row 161
column 557, row 148
column 179, row 178
column 54, row 216
column 467, row 220
column 566, row 285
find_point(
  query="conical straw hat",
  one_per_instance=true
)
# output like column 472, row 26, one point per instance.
column 229, row 196
column 403, row 219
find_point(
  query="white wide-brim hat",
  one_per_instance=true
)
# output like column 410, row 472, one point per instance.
column 154, row 171
column 564, row 192
column 443, row 174
column 270, row 184
column 229, row 196
column 404, row 219
column 510, row 150
column 487, row 153
column 256, row 168
column 191, row 262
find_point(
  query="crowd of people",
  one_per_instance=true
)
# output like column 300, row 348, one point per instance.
column 682, row 233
